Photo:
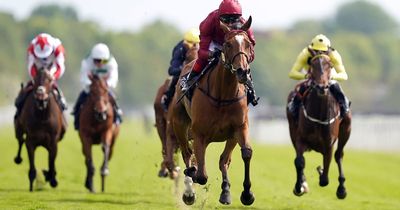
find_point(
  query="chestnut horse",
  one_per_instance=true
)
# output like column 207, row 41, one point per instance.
column 40, row 124
column 218, row 112
column 96, row 126
column 319, row 126
column 161, row 123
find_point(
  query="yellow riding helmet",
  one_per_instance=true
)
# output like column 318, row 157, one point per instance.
column 192, row 35
column 320, row 42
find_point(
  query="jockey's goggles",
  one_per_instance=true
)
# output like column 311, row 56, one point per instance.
column 229, row 19
column 101, row 61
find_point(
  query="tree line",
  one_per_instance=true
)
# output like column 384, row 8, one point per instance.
column 364, row 34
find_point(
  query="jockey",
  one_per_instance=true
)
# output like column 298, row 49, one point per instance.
column 322, row 45
column 190, row 38
column 46, row 52
column 100, row 62
column 212, row 36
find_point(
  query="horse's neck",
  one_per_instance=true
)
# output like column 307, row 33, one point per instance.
column 222, row 83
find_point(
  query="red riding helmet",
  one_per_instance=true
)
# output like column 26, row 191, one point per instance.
column 230, row 7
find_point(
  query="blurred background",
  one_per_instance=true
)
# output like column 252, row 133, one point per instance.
column 141, row 35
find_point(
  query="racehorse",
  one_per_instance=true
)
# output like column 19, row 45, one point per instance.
column 319, row 126
column 96, row 126
column 40, row 124
column 161, row 124
column 218, row 112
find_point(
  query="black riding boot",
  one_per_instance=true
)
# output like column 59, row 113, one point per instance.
column 295, row 103
column 167, row 97
column 60, row 98
column 117, row 110
column 20, row 100
column 251, row 93
column 77, row 108
column 344, row 103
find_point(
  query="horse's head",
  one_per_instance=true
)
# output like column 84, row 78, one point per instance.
column 99, row 95
column 237, row 50
column 320, row 71
column 43, row 85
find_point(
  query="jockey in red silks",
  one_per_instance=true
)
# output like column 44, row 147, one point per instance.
column 44, row 52
column 212, row 36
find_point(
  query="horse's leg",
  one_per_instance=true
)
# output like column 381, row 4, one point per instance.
column 247, row 197
column 87, row 152
column 19, row 135
column 180, row 127
column 51, row 174
column 324, row 172
column 199, row 147
column 301, row 185
column 32, row 170
column 161, row 129
column 224, row 162
column 170, row 148
column 344, row 134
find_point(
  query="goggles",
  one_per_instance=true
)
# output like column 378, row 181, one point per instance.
column 101, row 61
column 229, row 19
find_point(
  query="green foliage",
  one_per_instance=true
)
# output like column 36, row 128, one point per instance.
column 370, row 54
column 364, row 17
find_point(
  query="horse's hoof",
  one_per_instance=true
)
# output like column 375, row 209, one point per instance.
column 323, row 182
column 202, row 180
column 53, row 183
column 303, row 189
column 341, row 193
column 225, row 198
column 189, row 198
column 105, row 172
column 89, row 187
column 190, row 171
column 174, row 173
column 163, row 173
column 17, row 160
column 247, row 198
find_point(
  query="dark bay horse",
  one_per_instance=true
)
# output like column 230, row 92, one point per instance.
column 96, row 127
column 161, row 124
column 40, row 124
column 319, row 126
column 218, row 112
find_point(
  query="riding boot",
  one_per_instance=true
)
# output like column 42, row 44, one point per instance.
column 167, row 97
column 251, row 93
column 294, row 106
column 60, row 98
column 77, row 108
column 20, row 100
column 187, row 81
column 343, row 101
column 117, row 110
column 295, row 103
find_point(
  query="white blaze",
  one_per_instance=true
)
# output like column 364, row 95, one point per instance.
column 239, row 39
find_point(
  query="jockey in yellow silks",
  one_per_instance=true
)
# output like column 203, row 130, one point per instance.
column 322, row 45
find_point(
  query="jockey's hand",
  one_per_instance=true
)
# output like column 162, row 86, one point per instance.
column 215, row 53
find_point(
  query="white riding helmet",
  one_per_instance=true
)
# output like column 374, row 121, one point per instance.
column 42, row 45
column 100, row 51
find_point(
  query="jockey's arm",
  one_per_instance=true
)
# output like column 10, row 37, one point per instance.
column 340, row 73
column 300, row 63
column 112, row 79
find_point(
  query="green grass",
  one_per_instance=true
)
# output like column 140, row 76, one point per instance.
column 372, row 178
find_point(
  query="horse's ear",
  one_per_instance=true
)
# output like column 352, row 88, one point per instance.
column 247, row 24
column 224, row 27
